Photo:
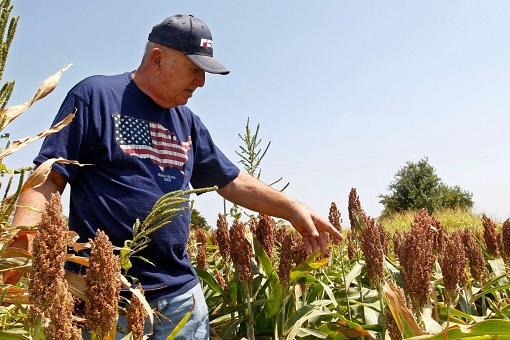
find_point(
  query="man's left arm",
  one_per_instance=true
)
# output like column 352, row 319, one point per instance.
column 253, row 194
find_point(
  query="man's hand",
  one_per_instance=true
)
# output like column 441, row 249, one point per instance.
column 314, row 229
column 251, row 193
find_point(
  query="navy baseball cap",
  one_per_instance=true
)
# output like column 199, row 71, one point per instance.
column 191, row 36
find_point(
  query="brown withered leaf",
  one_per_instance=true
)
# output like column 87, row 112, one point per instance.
column 18, row 144
column 72, row 237
column 82, row 260
column 15, row 295
column 76, row 284
column 46, row 88
column 42, row 172
column 142, row 299
column 402, row 315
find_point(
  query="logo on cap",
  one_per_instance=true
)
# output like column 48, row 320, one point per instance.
column 206, row 43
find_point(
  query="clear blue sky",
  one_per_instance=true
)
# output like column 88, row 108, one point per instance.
column 346, row 91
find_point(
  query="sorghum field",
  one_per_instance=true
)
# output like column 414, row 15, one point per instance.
column 409, row 276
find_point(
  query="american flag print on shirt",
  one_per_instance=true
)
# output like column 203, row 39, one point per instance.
column 150, row 140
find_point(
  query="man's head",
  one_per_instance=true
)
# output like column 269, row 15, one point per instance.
column 177, row 55
column 191, row 36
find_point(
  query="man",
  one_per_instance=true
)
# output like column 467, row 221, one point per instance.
column 143, row 142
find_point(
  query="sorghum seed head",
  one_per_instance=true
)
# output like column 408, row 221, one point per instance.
column 505, row 231
column 48, row 257
column 102, row 286
column 417, row 259
column 490, row 235
column 265, row 232
column 354, row 207
column 136, row 317
column 202, row 248
column 335, row 218
column 223, row 236
column 453, row 265
column 373, row 251
column 241, row 252
column 475, row 257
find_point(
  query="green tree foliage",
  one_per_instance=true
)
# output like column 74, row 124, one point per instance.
column 197, row 220
column 417, row 186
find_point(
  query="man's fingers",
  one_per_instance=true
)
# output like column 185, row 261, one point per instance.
column 323, row 243
column 306, row 243
column 314, row 244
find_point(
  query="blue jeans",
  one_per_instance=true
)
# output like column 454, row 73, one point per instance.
column 174, row 309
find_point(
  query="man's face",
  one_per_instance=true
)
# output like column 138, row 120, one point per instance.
column 178, row 78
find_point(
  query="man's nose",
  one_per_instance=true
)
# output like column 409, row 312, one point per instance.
column 200, row 78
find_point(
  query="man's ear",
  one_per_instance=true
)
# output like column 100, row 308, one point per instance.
column 156, row 58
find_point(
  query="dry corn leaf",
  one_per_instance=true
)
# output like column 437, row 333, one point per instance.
column 142, row 299
column 81, row 260
column 18, row 144
column 76, row 284
column 46, row 88
column 72, row 237
column 42, row 172
column 15, row 295
column 403, row 316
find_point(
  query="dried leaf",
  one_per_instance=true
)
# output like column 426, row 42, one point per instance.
column 403, row 316
column 46, row 88
column 72, row 237
column 15, row 295
column 81, row 260
column 142, row 299
column 76, row 284
column 42, row 172
column 18, row 144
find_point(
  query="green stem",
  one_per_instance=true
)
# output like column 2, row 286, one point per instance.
column 345, row 284
column 248, row 315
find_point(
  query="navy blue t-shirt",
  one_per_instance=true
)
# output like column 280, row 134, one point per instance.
column 139, row 151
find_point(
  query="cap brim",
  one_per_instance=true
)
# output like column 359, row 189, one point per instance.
column 208, row 64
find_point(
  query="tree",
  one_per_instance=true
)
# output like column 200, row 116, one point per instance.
column 417, row 186
column 197, row 220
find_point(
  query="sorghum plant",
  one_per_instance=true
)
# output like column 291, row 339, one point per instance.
column 490, row 235
column 223, row 236
column 474, row 255
column 242, row 256
column 505, row 236
column 51, row 303
column 202, row 248
column 265, row 232
column 373, row 251
column 335, row 218
column 136, row 317
column 354, row 207
column 102, row 286
column 295, row 253
column 416, row 257
column 241, row 252
column 453, row 266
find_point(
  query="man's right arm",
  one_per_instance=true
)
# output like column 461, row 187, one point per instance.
column 27, row 213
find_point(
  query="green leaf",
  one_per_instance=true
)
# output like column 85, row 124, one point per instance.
column 181, row 323
column 487, row 329
column 275, row 296
column 488, row 291
column 212, row 283
column 304, row 314
column 12, row 336
column 306, row 267
column 228, row 329
column 354, row 273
